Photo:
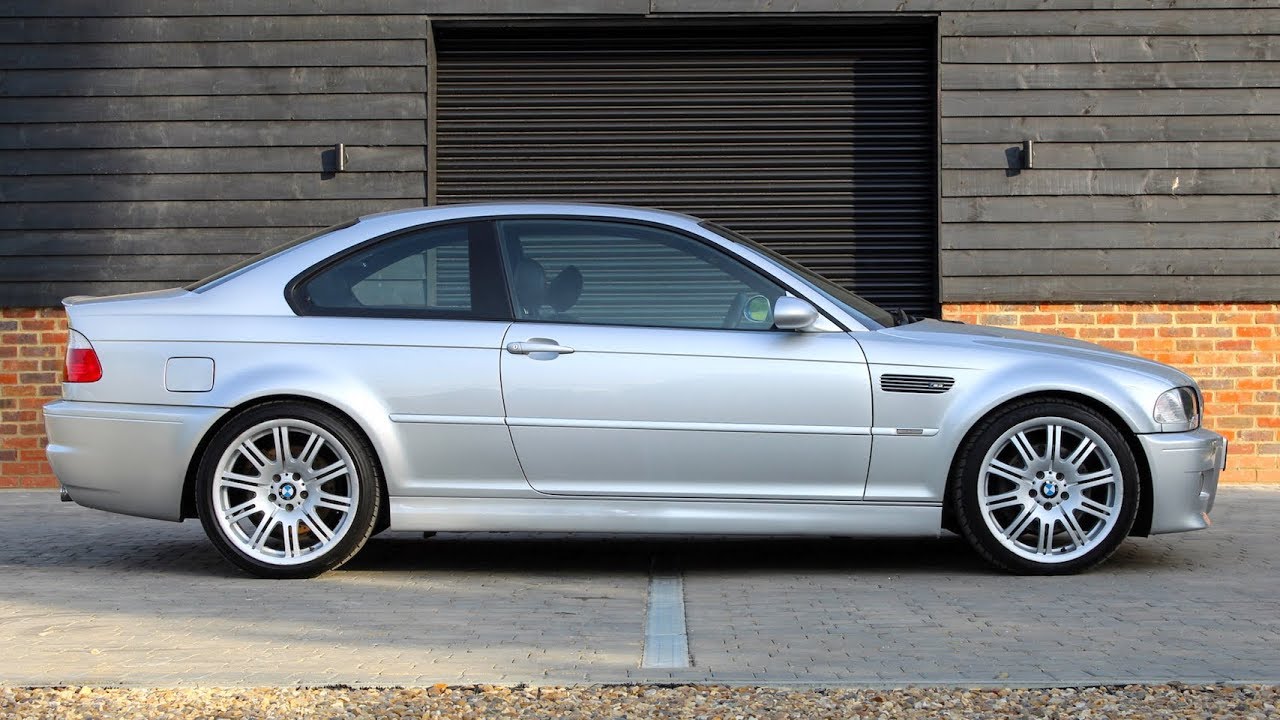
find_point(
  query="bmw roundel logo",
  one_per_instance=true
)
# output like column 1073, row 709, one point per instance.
column 1049, row 489
column 287, row 491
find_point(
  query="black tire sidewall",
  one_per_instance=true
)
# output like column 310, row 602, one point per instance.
column 968, row 475
column 368, row 490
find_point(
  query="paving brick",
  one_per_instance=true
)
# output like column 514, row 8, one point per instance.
column 93, row 598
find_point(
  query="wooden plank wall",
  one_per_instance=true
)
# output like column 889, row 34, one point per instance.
column 143, row 143
column 1157, row 144
column 1156, row 155
column 140, row 152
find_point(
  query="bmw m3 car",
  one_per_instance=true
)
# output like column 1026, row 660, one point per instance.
column 566, row 367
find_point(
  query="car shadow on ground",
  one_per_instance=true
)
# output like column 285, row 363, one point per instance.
column 144, row 546
column 550, row 553
column 191, row 555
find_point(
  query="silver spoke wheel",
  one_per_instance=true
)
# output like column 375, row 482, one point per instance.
column 285, row 491
column 1050, row 490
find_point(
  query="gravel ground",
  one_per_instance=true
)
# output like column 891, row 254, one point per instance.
column 636, row 701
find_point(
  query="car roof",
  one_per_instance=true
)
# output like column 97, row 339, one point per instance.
column 489, row 209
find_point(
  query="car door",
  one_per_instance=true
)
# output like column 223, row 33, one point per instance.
column 643, row 362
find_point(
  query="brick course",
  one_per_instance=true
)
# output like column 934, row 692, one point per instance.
column 1232, row 350
column 32, row 344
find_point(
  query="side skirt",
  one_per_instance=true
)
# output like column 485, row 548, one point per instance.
column 449, row 514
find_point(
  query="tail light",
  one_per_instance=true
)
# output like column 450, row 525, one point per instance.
column 82, row 364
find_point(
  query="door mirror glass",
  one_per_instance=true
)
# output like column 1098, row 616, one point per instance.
column 756, row 309
column 790, row 313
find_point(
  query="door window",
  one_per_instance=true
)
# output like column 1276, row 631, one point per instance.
column 617, row 273
column 443, row 271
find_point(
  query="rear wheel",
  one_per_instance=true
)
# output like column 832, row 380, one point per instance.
column 1046, row 488
column 288, row 490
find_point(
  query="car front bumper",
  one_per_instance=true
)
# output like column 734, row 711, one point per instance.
column 129, row 459
column 1184, row 477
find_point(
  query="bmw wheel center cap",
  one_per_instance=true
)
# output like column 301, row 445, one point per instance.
column 1049, row 489
column 287, row 491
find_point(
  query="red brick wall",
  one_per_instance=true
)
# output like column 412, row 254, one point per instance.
column 32, row 343
column 1232, row 350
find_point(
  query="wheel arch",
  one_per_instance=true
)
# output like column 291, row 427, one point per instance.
column 1142, row 521
column 189, row 479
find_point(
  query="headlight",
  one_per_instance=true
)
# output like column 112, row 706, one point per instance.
column 1179, row 406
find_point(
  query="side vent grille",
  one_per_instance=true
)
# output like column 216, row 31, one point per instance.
column 927, row 384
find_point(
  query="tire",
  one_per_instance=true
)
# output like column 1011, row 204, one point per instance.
column 288, row 490
column 1045, row 487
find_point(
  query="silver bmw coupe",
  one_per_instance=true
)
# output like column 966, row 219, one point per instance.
column 564, row 367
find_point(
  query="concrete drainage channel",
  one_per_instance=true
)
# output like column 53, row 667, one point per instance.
column 666, row 639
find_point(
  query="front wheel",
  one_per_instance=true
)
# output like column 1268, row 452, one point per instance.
column 288, row 490
column 1045, row 488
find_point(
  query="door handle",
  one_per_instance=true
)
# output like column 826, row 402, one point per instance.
column 537, row 345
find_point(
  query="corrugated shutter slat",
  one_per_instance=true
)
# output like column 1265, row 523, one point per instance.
column 819, row 142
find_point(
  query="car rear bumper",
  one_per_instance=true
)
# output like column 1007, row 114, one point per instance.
column 129, row 459
column 1184, row 475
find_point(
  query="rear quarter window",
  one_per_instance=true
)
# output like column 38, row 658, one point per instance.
column 226, row 274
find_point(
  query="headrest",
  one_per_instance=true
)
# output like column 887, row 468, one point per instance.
column 530, row 285
column 565, row 289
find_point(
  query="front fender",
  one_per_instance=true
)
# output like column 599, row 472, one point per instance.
column 916, row 467
column 1131, row 396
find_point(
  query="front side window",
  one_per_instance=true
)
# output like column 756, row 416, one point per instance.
column 448, row 271
column 617, row 273
column 867, row 313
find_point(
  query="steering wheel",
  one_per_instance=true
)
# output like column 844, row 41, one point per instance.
column 733, row 318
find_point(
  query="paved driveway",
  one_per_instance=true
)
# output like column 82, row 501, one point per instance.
column 87, row 597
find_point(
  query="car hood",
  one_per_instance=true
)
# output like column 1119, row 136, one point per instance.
column 973, row 345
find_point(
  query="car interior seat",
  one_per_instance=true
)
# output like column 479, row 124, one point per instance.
column 530, row 283
column 563, row 292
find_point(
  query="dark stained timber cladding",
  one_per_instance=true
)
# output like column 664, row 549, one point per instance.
column 136, row 82
column 223, row 108
column 290, row 54
column 817, row 142
column 259, row 27
column 143, row 152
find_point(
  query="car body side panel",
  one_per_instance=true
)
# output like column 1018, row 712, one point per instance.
column 1013, row 359
column 433, row 413
column 425, row 392
column 986, row 376
column 690, row 413
column 763, row 430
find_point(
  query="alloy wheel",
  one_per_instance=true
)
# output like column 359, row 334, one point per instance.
column 1050, row 490
column 285, row 491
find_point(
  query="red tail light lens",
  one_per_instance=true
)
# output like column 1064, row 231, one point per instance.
column 82, row 364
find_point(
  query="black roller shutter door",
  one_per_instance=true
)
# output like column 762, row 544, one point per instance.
column 818, row 141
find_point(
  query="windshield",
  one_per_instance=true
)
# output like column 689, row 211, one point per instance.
column 864, row 310
column 226, row 274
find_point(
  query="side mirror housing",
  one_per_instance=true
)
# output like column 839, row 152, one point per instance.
column 790, row 313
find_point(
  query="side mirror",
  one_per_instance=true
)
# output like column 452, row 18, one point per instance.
column 790, row 313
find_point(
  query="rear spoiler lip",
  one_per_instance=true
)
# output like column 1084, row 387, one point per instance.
column 87, row 300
